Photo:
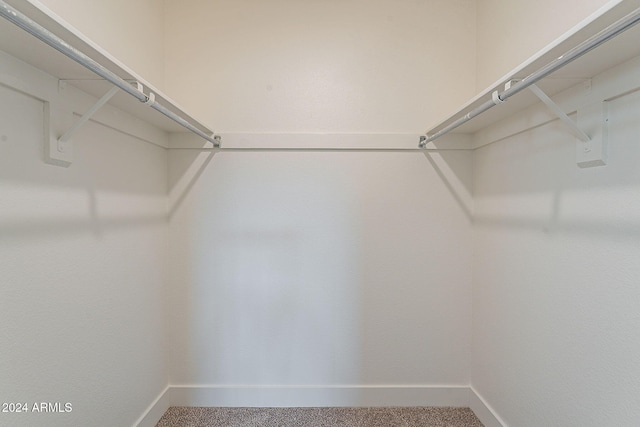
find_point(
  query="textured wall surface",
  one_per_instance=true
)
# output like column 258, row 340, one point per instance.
column 132, row 31
column 320, row 66
column 509, row 32
column 82, row 256
column 319, row 269
column 556, row 274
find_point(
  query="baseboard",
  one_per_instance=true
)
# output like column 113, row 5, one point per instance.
column 305, row 396
column 483, row 410
column 155, row 411
column 301, row 396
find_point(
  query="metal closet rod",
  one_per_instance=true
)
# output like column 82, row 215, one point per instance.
column 591, row 43
column 313, row 149
column 38, row 31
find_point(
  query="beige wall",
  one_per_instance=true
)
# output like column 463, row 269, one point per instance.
column 320, row 269
column 509, row 32
column 82, row 256
column 351, row 66
column 132, row 31
column 320, row 66
column 555, row 311
column 323, row 268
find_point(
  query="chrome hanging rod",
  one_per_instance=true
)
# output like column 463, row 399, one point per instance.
column 38, row 31
column 316, row 149
column 591, row 43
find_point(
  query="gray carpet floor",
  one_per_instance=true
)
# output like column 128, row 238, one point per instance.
column 317, row 417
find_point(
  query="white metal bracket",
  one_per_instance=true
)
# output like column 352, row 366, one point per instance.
column 56, row 118
column 590, row 129
column 573, row 126
column 61, row 148
column 594, row 119
column 86, row 116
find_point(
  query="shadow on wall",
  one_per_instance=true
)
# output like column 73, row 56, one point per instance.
column 556, row 276
column 316, row 268
column 82, row 256
column 456, row 180
column 43, row 201
column 277, row 319
column 269, row 272
column 531, row 181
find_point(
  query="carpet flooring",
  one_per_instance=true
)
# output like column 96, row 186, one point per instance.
column 319, row 417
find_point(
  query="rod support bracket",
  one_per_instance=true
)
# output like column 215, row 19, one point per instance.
column 495, row 97
column 218, row 141
column 423, row 141
column 151, row 99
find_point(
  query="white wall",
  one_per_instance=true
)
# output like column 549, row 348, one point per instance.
column 319, row 268
column 132, row 31
column 509, row 32
column 555, row 295
column 554, row 271
column 322, row 268
column 320, row 66
column 82, row 256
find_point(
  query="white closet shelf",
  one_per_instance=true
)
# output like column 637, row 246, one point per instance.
column 615, row 51
column 24, row 46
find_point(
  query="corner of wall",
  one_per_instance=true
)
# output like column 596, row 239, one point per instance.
column 154, row 412
column 483, row 410
column 475, row 47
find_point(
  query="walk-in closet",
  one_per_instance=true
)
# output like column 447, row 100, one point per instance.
column 320, row 213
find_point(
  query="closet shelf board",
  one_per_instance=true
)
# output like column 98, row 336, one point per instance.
column 615, row 51
column 22, row 45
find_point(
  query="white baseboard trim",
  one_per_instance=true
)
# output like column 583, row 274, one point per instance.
column 310, row 396
column 155, row 411
column 301, row 396
column 483, row 410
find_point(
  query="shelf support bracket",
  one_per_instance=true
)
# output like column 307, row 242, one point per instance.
column 575, row 129
column 591, row 147
column 85, row 117
column 60, row 149
column 594, row 119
